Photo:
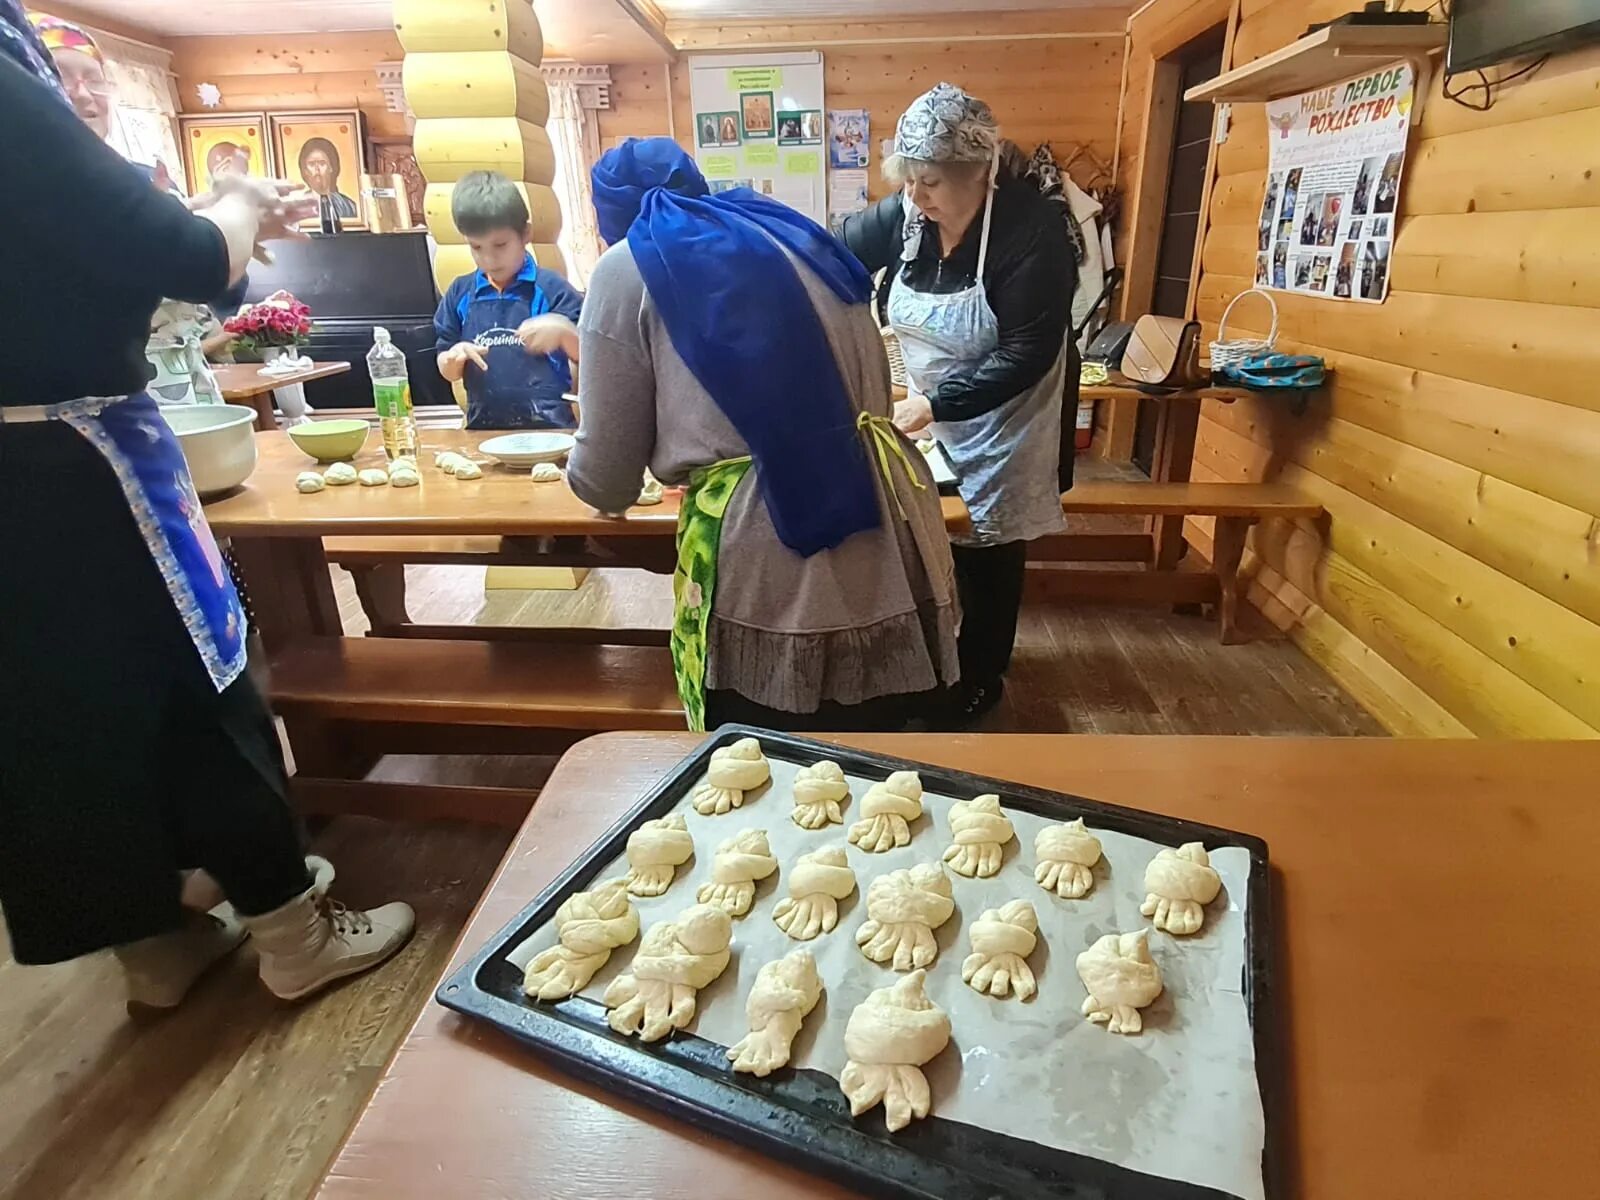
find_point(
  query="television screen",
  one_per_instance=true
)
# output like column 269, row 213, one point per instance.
column 1485, row 32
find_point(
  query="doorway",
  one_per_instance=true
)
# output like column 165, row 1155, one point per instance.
column 1195, row 63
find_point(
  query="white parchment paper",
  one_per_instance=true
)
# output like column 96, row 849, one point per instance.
column 1179, row 1100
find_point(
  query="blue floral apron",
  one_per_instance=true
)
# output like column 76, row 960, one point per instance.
column 131, row 435
column 519, row 390
column 1006, row 461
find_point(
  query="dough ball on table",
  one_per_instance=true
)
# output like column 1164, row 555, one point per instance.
column 734, row 770
column 374, row 477
column 887, row 811
column 340, row 475
column 590, row 926
column 903, row 910
column 981, row 831
column 467, row 469
column 817, row 882
column 1067, row 855
column 785, row 992
column 675, row 960
column 890, row 1036
column 655, row 850
column 401, row 477
column 1121, row 978
column 449, row 461
column 1180, row 884
column 739, row 863
column 546, row 473
column 309, row 482
column 819, row 790
column 1002, row 939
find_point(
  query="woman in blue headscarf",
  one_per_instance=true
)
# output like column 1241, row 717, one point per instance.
column 728, row 345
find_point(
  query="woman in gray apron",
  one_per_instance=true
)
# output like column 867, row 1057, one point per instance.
column 133, row 746
column 981, row 283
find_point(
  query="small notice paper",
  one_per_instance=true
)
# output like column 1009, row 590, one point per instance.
column 807, row 163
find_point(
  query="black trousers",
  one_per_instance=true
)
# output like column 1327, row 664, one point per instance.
column 989, row 580
column 120, row 764
column 887, row 714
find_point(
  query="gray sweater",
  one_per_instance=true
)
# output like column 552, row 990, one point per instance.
column 876, row 616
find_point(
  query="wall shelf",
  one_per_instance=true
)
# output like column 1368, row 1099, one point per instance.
column 1328, row 56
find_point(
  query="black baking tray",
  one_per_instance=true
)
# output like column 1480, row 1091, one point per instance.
column 800, row 1116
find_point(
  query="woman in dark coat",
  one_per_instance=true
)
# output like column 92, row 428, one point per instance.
column 132, row 744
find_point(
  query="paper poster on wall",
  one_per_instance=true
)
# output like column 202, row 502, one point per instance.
column 808, row 162
column 719, row 166
column 848, row 130
column 756, row 113
column 1335, row 161
column 847, row 192
column 717, row 129
column 759, row 155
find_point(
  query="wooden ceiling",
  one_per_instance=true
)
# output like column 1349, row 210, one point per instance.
column 809, row 10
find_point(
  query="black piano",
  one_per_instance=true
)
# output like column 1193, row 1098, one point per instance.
column 354, row 281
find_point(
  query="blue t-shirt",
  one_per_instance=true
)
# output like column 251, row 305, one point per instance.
column 519, row 390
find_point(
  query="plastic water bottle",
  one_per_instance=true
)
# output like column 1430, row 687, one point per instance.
column 391, row 395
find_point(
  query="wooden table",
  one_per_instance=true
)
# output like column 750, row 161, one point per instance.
column 1438, row 976
column 243, row 383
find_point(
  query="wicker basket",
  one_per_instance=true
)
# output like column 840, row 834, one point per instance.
column 897, row 360
column 1225, row 352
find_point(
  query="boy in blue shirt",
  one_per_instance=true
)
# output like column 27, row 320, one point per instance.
column 508, row 329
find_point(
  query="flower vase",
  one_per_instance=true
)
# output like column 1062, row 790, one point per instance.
column 291, row 398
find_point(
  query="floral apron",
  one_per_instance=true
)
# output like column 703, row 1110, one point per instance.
column 694, row 582
column 141, row 449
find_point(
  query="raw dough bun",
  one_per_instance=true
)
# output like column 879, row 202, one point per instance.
column 404, row 477
column 651, row 492
column 817, row 882
column 888, row 1039
column 675, row 960
column 785, row 992
column 1180, row 883
column 374, row 477
column 981, row 831
column 449, row 461
column 1001, row 939
column 887, row 811
column 734, row 770
column 407, row 462
column 468, row 470
column 903, row 910
column 655, row 850
column 590, row 925
column 546, row 473
column 738, row 864
column 1067, row 855
column 340, row 474
column 309, row 482
column 1121, row 978
column 818, row 791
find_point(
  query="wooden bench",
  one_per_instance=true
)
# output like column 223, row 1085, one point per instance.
column 348, row 701
column 376, row 564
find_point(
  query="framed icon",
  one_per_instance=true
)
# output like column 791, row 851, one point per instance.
column 325, row 151
column 223, row 143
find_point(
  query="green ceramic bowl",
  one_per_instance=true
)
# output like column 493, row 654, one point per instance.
column 331, row 441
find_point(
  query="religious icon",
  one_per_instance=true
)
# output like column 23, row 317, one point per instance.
column 323, row 151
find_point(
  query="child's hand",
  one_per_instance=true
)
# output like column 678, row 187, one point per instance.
column 459, row 355
column 548, row 334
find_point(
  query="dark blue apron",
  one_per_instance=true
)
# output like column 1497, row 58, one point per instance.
column 140, row 447
column 520, row 390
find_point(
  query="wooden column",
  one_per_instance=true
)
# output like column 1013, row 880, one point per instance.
column 472, row 78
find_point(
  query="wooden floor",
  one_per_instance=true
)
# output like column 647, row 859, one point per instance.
column 237, row 1097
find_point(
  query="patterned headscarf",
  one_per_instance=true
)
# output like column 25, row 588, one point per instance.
column 59, row 35
column 21, row 44
column 945, row 124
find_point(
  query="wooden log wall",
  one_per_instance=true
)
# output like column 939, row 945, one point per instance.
column 1051, row 76
column 291, row 71
column 1455, row 587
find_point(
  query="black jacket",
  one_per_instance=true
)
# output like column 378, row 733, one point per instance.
column 1030, row 278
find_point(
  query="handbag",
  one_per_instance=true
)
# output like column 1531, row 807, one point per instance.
column 1164, row 355
column 1110, row 343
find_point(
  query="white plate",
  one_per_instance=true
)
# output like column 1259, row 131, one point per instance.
column 528, row 449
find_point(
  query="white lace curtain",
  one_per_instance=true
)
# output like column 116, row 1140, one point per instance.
column 143, row 117
column 576, row 138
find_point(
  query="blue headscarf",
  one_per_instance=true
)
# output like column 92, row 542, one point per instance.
column 21, row 44
column 741, row 319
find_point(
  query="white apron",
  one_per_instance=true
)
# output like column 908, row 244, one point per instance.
column 1006, row 461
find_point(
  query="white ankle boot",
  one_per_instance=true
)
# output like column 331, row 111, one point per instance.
column 159, row 971
column 313, row 940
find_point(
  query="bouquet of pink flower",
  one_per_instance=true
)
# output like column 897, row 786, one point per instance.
column 279, row 320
